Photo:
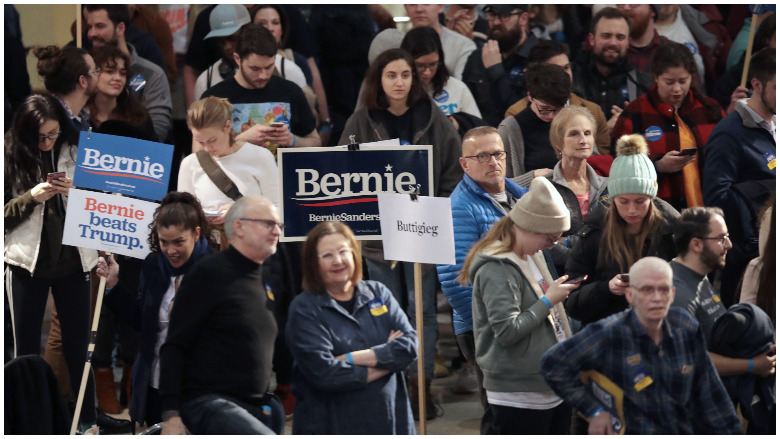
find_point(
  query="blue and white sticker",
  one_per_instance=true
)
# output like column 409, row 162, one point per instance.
column 137, row 83
column 653, row 134
column 624, row 92
column 515, row 73
column 441, row 97
column 692, row 47
column 771, row 161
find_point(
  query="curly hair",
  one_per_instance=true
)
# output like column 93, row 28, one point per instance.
column 61, row 68
column 180, row 209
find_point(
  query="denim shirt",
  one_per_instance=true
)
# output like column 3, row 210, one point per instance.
column 332, row 396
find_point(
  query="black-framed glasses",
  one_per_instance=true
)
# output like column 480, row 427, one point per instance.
column 427, row 66
column 546, row 112
column 484, row 157
column 490, row 16
column 52, row 136
column 270, row 224
column 721, row 239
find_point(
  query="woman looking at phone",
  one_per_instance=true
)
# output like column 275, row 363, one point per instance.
column 636, row 224
column 42, row 141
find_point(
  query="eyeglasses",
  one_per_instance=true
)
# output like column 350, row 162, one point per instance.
column 554, row 237
column 546, row 112
column 94, row 72
column 421, row 67
column 270, row 224
column 484, row 157
column 52, row 136
column 490, row 16
column 664, row 290
column 329, row 257
column 721, row 239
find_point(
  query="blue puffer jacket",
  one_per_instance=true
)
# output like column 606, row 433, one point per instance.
column 473, row 213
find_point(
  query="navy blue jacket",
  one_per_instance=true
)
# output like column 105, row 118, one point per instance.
column 140, row 310
column 332, row 396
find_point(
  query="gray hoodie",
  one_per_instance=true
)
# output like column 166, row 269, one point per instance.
column 512, row 326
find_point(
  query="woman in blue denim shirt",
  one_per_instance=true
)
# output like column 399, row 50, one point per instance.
column 350, row 341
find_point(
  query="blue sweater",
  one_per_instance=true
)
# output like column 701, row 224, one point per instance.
column 473, row 213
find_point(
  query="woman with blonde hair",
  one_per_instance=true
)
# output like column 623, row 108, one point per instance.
column 636, row 224
column 518, row 314
column 225, row 169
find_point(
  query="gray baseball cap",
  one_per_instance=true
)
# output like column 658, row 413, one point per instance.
column 226, row 20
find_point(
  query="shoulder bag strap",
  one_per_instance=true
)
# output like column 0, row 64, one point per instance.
column 217, row 175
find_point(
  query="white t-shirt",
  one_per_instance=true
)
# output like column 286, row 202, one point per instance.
column 456, row 97
column 679, row 33
column 252, row 169
column 291, row 73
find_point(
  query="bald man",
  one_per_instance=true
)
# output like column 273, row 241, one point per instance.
column 655, row 356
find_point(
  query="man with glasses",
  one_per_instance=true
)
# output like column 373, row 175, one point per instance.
column 526, row 135
column 495, row 73
column 702, row 241
column 663, row 381
column 483, row 197
column 215, row 365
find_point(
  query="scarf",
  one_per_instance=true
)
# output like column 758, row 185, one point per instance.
column 201, row 249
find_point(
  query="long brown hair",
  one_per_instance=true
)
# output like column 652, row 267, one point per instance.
column 374, row 97
column 501, row 231
column 312, row 279
column 128, row 105
column 621, row 247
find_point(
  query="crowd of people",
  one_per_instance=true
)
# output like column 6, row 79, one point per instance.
column 612, row 185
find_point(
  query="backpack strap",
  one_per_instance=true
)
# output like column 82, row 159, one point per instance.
column 217, row 175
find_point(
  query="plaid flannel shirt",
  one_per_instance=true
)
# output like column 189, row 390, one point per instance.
column 686, row 395
column 650, row 116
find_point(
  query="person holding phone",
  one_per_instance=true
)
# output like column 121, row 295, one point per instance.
column 635, row 224
column 675, row 119
column 42, row 141
column 518, row 313
column 179, row 237
column 251, row 168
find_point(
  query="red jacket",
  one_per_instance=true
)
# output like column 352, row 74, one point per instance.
column 653, row 118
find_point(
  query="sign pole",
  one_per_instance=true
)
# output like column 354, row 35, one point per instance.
column 418, row 312
column 90, row 350
column 78, row 25
column 749, row 51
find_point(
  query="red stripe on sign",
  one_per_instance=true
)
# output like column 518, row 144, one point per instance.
column 341, row 202
column 114, row 174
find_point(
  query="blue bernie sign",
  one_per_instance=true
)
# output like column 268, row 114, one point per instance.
column 121, row 164
column 334, row 184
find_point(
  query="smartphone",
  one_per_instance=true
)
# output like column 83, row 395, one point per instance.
column 51, row 176
column 689, row 151
column 278, row 124
column 624, row 277
column 212, row 213
column 576, row 279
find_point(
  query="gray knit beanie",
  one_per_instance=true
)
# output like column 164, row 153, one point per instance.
column 385, row 40
column 632, row 171
column 541, row 209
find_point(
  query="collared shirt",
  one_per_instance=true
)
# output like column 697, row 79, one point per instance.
column 80, row 121
column 684, row 394
column 771, row 127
